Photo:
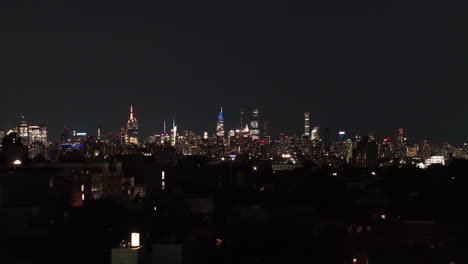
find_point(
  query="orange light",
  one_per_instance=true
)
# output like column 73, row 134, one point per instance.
column 383, row 217
column 219, row 242
column 373, row 173
column 354, row 260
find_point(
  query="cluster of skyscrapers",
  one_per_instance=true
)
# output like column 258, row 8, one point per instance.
column 247, row 140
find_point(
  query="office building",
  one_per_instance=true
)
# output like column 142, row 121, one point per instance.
column 254, row 125
column 131, row 131
column 220, row 124
column 24, row 131
column 307, row 125
column 315, row 133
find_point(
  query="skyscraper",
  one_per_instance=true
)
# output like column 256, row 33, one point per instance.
column 220, row 124
column 400, row 144
column 38, row 134
column 24, row 131
column 242, row 118
column 64, row 135
column 173, row 132
column 254, row 129
column 326, row 139
column 131, row 131
column 307, row 125
column 99, row 131
column 315, row 133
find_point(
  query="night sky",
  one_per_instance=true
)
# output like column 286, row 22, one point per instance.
column 361, row 66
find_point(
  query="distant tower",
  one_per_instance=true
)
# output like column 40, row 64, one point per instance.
column 99, row 132
column 316, row 133
column 64, row 136
column 131, row 131
column 220, row 124
column 266, row 129
column 24, row 131
column 326, row 139
column 306, row 124
column 173, row 132
column 400, row 143
column 400, row 137
column 254, row 129
column 242, row 118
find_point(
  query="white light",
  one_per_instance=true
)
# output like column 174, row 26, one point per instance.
column 135, row 240
column 17, row 162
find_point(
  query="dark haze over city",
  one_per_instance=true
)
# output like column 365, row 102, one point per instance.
column 360, row 66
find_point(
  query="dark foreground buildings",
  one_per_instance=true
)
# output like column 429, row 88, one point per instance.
column 192, row 209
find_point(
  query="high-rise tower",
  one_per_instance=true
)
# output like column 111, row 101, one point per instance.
column 173, row 132
column 316, row 133
column 306, row 124
column 254, row 129
column 242, row 118
column 24, row 131
column 131, row 131
column 220, row 124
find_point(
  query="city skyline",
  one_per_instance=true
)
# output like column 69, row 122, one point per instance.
column 297, row 131
column 364, row 67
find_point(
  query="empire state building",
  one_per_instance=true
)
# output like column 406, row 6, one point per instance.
column 131, row 131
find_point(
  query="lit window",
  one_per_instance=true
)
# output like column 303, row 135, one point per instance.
column 135, row 240
column 163, row 175
column 82, row 187
column 82, row 197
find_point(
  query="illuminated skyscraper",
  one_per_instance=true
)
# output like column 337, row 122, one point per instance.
column 24, row 132
column 315, row 133
column 99, row 131
column 341, row 135
column 307, row 124
column 220, row 124
column 400, row 144
column 400, row 137
column 173, row 132
column 38, row 134
column 131, row 131
column 254, row 129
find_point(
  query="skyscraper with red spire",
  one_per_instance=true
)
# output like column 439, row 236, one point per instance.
column 131, row 131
